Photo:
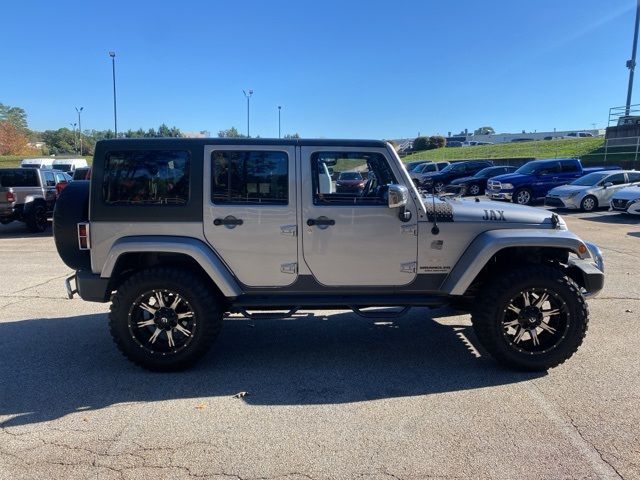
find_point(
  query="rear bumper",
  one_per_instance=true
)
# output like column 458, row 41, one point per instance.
column 88, row 286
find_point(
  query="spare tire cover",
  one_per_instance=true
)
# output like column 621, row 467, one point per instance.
column 72, row 207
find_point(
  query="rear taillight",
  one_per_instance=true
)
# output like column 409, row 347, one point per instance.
column 11, row 197
column 84, row 242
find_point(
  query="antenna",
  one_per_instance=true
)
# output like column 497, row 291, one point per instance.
column 434, row 230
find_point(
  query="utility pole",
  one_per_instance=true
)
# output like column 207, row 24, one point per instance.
column 75, row 137
column 248, row 95
column 115, row 112
column 80, row 127
column 631, row 64
column 279, row 132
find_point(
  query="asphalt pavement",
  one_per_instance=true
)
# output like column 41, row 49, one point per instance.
column 324, row 395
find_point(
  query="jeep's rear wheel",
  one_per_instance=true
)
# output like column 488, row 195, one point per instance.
column 165, row 319
column 36, row 219
column 531, row 319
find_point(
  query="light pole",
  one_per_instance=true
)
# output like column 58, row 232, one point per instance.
column 80, row 126
column 248, row 95
column 279, row 132
column 115, row 111
column 75, row 137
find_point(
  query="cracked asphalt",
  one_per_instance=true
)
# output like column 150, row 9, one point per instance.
column 329, row 396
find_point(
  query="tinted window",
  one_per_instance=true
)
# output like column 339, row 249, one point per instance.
column 60, row 177
column 253, row 177
column 617, row 179
column 18, row 178
column 49, row 179
column 80, row 174
column 146, row 177
column 570, row 166
column 372, row 166
column 63, row 167
column 634, row 177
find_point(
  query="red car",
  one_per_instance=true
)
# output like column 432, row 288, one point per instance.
column 350, row 182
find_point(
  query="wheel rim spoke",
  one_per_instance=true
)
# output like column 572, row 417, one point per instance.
column 155, row 335
column 512, row 323
column 170, row 339
column 148, row 308
column 513, row 308
column 146, row 323
column 534, row 336
column 185, row 315
column 541, row 299
column 160, row 299
column 175, row 303
column 547, row 327
column 548, row 313
column 519, row 335
column 183, row 330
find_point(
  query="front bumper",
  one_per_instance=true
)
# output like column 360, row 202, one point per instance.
column 88, row 286
column 560, row 202
column 499, row 195
column 588, row 273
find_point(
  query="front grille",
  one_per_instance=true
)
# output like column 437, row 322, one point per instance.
column 553, row 202
column 494, row 185
column 619, row 204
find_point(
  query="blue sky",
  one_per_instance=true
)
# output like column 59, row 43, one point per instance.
column 362, row 69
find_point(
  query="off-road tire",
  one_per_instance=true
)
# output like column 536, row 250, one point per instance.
column 584, row 204
column 206, row 303
column 492, row 302
column 517, row 193
column 36, row 218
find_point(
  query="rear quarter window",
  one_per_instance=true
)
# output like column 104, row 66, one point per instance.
column 18, row 178
column 146, row 177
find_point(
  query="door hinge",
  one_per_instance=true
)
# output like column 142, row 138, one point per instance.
column 291, row 268
column 410, row 229
column 290, row 230
column 408, row 267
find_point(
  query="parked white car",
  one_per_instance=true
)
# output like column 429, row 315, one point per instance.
column 69, row 164
column 592, row 191
column 627, row 200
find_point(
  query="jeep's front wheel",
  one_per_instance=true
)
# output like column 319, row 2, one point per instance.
column 165, row 319
column 532, row 319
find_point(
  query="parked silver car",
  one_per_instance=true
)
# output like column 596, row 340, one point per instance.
column 627, row 200
column 592, row 191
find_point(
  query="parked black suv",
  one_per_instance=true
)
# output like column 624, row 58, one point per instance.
column 476, row 184
column 439, row 180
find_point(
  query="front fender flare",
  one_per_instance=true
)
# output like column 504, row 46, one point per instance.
column 194, row 248
column 487, row 244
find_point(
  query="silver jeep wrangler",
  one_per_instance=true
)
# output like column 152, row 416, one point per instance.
column 176, row 233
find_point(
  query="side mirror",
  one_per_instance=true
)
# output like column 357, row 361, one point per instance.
column 608, row 184
column 398, row 196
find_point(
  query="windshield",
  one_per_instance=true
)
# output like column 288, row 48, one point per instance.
column 452, row 168
column 350, row 176
column 65, row 167
column 591, row 179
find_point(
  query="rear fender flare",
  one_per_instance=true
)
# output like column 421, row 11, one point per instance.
column 192, row 247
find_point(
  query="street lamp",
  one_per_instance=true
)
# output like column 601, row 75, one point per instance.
column 279, row 109
column 248, row 95
column 115, row 114
column 75, row 137
column 80, row 126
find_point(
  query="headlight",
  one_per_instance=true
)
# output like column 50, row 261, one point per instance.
column 507, row 186
column 573, row 194
column 633, row 202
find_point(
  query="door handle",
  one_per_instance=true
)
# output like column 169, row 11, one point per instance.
column 228, row 221
column 321, row 222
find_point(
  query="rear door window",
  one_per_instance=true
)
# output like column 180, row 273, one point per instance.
column 617, row 179
column 146, row 177
column 250, row 177
column 634, row 177
column 570, row 166
column 49, row 179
